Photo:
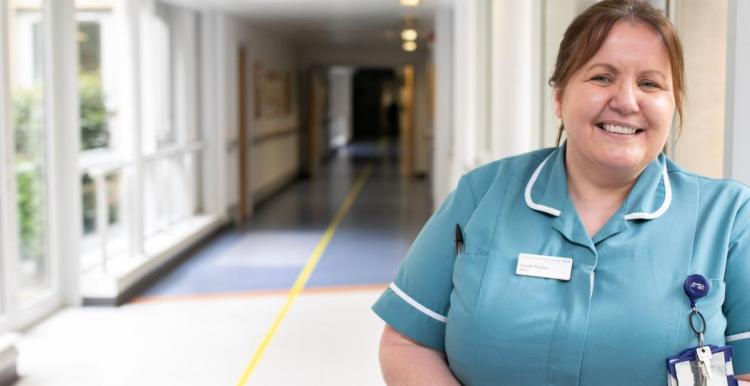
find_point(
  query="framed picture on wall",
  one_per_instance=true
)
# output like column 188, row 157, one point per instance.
column 272, row 92
column 278, row 98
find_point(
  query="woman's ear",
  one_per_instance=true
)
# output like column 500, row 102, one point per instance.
column 557, row 100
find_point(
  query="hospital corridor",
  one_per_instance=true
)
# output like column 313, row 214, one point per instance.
column 216, row 192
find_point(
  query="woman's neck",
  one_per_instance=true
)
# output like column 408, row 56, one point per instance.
column 597, row 193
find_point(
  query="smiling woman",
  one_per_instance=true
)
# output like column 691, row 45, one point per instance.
column 618, row 110
column 614, row 227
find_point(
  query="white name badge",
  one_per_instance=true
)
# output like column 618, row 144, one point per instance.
column 550, row 267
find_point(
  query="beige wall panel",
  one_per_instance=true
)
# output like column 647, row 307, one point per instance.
column 702, row 27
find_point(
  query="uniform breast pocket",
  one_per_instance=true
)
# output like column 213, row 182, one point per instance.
column 468, row 273
column 711, row 308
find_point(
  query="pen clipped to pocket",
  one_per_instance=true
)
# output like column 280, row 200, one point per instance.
column 459, row 237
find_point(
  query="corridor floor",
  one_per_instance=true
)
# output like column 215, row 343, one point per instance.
column 203, row 322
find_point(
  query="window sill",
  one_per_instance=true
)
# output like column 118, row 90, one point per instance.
column 126, row 274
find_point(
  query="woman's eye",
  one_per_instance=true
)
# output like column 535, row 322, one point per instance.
column 647, row 84
column 603, row 79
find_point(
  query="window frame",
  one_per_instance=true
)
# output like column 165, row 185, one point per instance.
column 19, row 313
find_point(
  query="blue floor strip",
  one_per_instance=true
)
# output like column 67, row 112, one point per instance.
column 270, row 251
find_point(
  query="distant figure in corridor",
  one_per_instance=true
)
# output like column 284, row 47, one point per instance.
column 599, row 262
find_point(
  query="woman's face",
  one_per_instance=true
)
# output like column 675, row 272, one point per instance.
column 618, row 107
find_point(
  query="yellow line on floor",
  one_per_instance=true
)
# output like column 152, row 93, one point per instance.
column 299, row 284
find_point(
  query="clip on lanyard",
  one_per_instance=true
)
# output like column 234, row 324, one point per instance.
column 696, row 287
column 704, row 365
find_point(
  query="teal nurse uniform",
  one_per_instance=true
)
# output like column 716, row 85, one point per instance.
column 623, row 311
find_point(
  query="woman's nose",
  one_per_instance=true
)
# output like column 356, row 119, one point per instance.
column 625, row 99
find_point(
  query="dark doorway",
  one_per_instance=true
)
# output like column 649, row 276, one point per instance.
column 375, row 104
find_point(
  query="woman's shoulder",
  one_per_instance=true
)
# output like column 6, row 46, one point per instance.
column 503, row 170
column 706, row 183
column 531, row 160
column 711, row 189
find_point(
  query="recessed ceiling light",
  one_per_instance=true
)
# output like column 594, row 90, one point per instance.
column 409, row 34
column 409, row 46
column 410, row 3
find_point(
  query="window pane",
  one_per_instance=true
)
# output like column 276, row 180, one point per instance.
column 159, row 196
column 27, row 92
column 117, row 237
column 93, row 109
column 113, row 199
column 104, row 142
column 89, row 49
column 157, row 96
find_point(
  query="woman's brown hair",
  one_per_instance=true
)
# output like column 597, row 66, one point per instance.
column 586, row 34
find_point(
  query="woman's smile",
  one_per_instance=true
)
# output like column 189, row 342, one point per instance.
column 619, row 128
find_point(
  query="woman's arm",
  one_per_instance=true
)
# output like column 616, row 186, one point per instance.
column 744, row 379
column 405, row 362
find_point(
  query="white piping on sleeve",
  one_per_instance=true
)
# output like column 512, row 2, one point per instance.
column 415, row 304
column 527, row 193
column 736, row 337
column 664, row 205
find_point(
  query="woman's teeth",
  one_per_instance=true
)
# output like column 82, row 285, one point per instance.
column 618, row 129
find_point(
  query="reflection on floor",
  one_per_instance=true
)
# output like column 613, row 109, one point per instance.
column 231, row 290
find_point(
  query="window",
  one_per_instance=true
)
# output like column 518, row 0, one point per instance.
column 171, row 144
column 103, row 156
column 114, row 229
column 26, row 77
column 161, row 170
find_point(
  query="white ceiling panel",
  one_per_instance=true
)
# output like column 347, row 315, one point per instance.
column 329, row 22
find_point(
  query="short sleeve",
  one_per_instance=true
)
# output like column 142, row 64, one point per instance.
column 417, row 301
column 737, row 300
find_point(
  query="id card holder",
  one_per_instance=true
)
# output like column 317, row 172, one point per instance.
column 687, row 369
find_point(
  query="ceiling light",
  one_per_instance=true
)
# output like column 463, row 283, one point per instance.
column 409, row 34
column 410, row 3
column 409, row 46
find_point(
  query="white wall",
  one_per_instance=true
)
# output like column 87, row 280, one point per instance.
column 496, row 84
column 273, row 143
column 516, row 77
column 422, row 123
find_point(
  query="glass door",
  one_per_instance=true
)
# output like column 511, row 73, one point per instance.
column 27, row 97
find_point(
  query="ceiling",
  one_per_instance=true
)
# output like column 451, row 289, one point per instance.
column 330, row 22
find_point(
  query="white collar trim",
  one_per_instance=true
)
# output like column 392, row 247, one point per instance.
column 630, row 216
column 664, row 205
column 527, row 194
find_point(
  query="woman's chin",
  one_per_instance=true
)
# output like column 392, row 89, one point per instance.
column 628, row 162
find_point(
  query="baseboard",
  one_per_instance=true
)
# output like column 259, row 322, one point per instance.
column 271, row 189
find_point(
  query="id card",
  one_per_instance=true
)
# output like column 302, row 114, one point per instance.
column 685, row 368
